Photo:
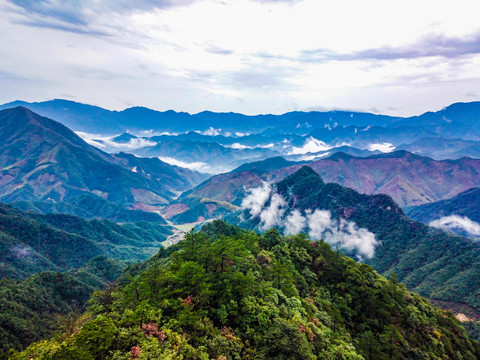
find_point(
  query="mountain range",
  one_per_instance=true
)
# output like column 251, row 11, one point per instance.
column 408, row 178
column 78, row 197
column 214, row 143
column 43, row 161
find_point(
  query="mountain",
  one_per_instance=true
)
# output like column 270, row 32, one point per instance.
column 365, row 136
column 442, row 148
column 408, row 178
column 42, row 160
column 175, row 179
column 430, row 261
column 225, row 293
column 93, row 119
column 459, row 120
column 266, row 165
column 451, row 213
column 24, row 319
column 32, row 242
column 207, row 156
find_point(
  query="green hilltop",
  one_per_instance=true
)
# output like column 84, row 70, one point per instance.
column 225, row 293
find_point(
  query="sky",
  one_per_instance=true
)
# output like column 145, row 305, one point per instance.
column 249, row 56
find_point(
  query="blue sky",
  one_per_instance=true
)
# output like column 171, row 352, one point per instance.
column 249, row 56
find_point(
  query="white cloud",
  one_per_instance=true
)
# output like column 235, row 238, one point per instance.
column 294, row 223
column 106, row 143
column 197, row 165
column 457, row 222
column 272, row 215
column 311, row 145
column 256, row 199
column 383, row 147
column 318, row 222
column 342, row 234
column 210, row 132
column 238, row 146
column 118, row 58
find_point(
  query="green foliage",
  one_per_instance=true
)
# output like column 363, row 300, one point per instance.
column 32, row 242
column 229, row 294
column 432, row 262
column 47, row 302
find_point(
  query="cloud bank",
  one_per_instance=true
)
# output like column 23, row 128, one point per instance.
column 107, row 143
column 311, row 145
column 455, row 222
column 271, row 208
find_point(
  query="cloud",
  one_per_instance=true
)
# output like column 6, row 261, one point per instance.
column 197, row 165
column 106, row 142
column 342, row 233
column 210, row 132
column 294, row 223
column 383, row 147
column 430, row 45
column 238, row 146
column 453, row 222
column 311, row 145
column 176, row 58
column 79, row 13
column 272, row 215
column 256, row 199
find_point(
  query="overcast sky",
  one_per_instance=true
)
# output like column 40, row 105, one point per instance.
column 249, row 56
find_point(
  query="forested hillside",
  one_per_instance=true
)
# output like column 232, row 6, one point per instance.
column 430, row 261
column 32, row 242
column 48, row 302
column 224, row 293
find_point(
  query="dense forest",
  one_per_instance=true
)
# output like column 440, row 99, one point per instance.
column 225, row 293
column 37, row 307
column 32, row 242
column 432, row 262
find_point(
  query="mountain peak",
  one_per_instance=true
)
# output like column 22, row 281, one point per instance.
column 303, row 177
column 306, row 171
column 340, row 156
column 269, row 164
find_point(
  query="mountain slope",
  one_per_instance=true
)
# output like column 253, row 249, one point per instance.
column 24, row 319
column 42, row 160
column 228, row 294
column 31, row 242
column 466, row 204
column 409, row 179
column 432, row 262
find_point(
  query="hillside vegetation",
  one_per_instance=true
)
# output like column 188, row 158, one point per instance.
column 48, row 302
column 224, row 293
column 430, row 261
column 32, row 242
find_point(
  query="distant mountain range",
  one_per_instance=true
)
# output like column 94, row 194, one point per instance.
column 43, row 161
column 409, row 179
column 214, row 143
column 95, row 119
